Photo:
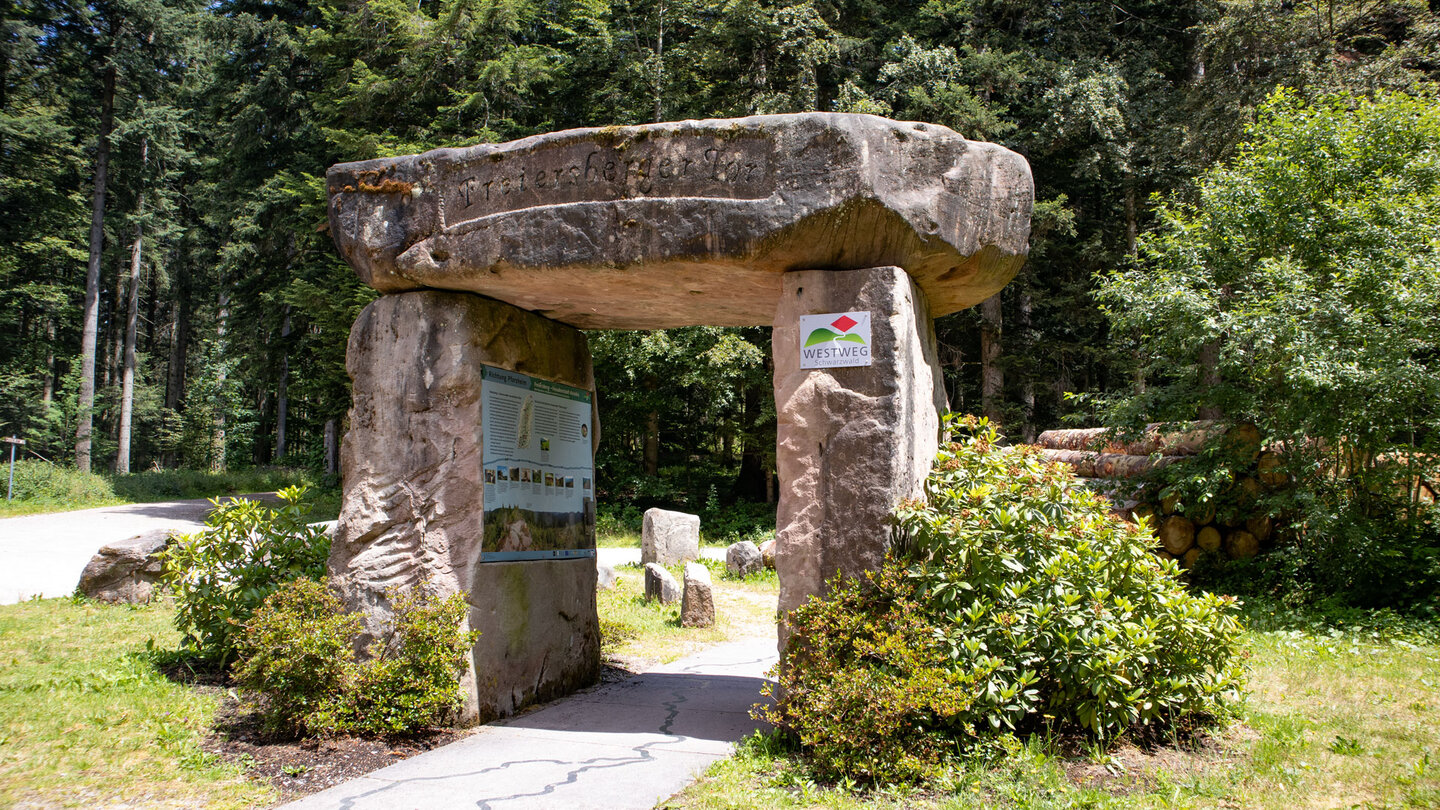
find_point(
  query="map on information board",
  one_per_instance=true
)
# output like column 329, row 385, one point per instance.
column 539, row 469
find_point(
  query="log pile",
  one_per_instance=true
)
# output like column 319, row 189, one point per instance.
column 1234, row 525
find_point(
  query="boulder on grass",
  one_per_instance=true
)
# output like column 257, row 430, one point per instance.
column 659, row 584
column 605, row 577
column 670, row 538
column 743, row 559
column 767, row 550
column 698, row 607
column 126, row 571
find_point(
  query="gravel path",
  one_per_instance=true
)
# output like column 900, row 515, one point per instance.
column 43, row 555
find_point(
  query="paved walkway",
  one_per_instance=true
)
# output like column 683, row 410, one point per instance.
column 43, row 555
column 627, row 745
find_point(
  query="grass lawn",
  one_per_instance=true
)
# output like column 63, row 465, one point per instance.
column 635, row 633
column 87, row 721
column 1335, row 719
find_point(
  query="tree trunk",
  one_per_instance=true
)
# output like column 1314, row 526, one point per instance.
column 992, row 378
column 652, row 443
column 1209, row 379
column 660, row 62
column 282, row 398
column 332, row 447
column 1027, row 382
column 217, row 433
column 85, row 407
column 179, row 352
column 47, row 388
column 1132, row 219
column 132, row 316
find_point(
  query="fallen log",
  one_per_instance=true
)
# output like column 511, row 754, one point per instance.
column 1159, row 437
column 1089, row 464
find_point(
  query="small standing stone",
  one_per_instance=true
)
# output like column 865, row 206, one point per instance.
column 698, row 608
column 743, row 559
column 670, row 538
column 659, row 584
column 127, row 571
column 767, row 550
column 605, row 577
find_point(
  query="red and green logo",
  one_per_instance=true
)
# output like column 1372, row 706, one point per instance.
column 835, row 340
column 839, row 330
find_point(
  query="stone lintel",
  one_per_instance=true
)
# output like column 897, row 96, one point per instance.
column 851, row 442
column 690, row 222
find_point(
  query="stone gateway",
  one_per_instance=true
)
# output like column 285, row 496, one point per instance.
column 497, row 255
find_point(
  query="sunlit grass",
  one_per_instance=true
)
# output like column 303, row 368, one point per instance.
column 637, row 633
column 1335, row 719
column 87, row 721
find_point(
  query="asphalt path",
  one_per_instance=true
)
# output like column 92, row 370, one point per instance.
column 43, row 555
column 624, row 746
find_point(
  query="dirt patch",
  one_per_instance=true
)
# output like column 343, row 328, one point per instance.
column 1133, row 766
column 297, row 768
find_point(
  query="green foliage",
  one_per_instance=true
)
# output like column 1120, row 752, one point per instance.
column 40, row 481
column 221, row 575
column 1019, row 602
column 298, row 652
column 1301, row 292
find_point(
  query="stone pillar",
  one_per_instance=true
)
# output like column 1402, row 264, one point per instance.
column 414, row 490
column 852, row 442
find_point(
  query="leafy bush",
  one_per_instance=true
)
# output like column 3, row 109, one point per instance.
column 1296, row 289
column 221, row 575
column 298, row 652
column 412, row 679
column 164, row 485
column 45, row 482
column 1018, row 601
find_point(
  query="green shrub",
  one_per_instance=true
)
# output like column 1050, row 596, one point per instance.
column 221, row 575
column 1018, row 602
column 44, row 482
column 412, row 679
column 298, row 652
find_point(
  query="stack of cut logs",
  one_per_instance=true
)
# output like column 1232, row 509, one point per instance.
column 1233, row 524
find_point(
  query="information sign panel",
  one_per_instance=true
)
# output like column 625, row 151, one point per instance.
column 539, row 469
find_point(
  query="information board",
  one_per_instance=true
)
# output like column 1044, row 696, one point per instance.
column 539, row 469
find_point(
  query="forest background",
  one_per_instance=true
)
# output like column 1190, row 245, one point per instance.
column 169, row 293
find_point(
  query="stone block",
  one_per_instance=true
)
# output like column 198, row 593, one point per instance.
column 605, row 577
column 539, row 633
column 126, row 571
column 767, row 550
column 851, row 442
column 743, row 559
column 669, row 538
column 659, row 584
column 697, row 609
column 412, row 507
column 690, row 222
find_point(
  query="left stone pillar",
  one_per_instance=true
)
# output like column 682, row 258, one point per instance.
column 414, row 482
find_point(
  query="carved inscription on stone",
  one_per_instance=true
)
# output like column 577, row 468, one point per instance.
column 588, row 171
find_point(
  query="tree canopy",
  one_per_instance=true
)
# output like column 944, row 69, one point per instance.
column 224, row 116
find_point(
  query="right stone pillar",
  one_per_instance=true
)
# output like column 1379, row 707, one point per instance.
column 852, row 442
